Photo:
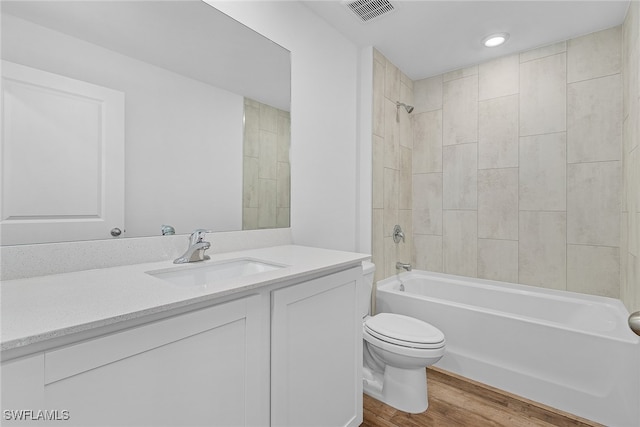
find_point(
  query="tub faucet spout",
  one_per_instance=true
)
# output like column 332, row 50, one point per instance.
column 401, row 266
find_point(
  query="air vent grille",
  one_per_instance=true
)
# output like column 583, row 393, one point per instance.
column 367, row 10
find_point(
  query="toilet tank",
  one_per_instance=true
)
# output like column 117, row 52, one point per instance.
column 368, row 270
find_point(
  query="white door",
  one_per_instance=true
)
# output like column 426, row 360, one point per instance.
column 62, row 167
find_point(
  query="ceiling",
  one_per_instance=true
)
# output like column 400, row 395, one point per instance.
column 426, row 38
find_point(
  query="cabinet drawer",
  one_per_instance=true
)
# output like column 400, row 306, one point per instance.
column 81, row 357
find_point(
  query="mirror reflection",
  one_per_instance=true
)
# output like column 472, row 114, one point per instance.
column 132, row 116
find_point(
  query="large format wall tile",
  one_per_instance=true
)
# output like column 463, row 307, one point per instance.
column 377, row 242
column 427, row 142
column 541, row 52
column 266, row 169
column 593, row 209
column 283, row 185
column 427, row 94
column 405, row 248
column 460, row 73
column 514, row 163
column 378, row 172
column 460, row 243
column 542, row 254
column 594, row 120
column 499, row 77
column 594, row 55
column 392, row 165
column 405, row 178
column 391, row 136
column 249, row 218
column 267, row 208
column 543, row 172
column 427, row 203
column 460, row 176
column 284, row 136
column 268, row 155
column 498, row 204
column 594, row 270
column 427, row 253
column 391, row 183
column 391, row 81
column 633, row 201
column 268, row 118
column 378, row 98
column 498, row 260
column 251, row 147
column 498, row 133
column 403, row 118
column 250, row 184
column 390, row 257
column 543, row 88
column 460, row 111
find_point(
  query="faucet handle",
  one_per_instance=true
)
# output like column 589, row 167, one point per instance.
column 198, row 235
column 398, row 234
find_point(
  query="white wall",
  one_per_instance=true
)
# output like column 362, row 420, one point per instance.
column 324, row 119
column 178, row 156
column 365, row 152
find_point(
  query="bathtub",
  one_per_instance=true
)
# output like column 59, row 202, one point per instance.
column 570, row 351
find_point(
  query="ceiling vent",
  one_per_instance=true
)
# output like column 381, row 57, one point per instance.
column 366, row 10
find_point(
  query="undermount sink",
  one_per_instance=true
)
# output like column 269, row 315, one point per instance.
column 208, row 273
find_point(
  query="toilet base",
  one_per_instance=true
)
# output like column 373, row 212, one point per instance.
column 404, row 389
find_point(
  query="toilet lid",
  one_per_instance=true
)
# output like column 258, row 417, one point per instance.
column 404, row 330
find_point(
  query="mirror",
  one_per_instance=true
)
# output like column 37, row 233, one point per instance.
column 171, row 108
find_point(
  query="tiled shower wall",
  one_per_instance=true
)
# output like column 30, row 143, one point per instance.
column 517, row 168
column 630, row 219
column 392, row 146
column 266, row 169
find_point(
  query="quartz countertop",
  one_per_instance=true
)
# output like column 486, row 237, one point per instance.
column 41, row 308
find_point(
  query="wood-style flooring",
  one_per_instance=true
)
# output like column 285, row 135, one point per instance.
column 458, row 401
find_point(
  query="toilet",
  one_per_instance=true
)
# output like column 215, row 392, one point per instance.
column 396, row 351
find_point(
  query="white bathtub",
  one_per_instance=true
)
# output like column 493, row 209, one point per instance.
column 571, row 351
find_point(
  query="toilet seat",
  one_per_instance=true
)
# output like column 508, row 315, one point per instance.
column 404, row 331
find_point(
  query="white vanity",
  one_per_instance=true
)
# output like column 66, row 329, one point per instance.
column 120, row 346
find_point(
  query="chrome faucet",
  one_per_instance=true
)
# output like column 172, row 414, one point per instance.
column 197, row 246
column 398, row 234
column 400, row 266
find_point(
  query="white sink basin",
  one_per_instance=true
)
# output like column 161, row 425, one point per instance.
column 207, row 273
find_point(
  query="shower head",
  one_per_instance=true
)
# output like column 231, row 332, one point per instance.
column 409, row 108
column 399, row 104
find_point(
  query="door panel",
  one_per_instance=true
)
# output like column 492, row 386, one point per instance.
column 62, row 170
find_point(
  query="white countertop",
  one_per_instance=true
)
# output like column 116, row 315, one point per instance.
column 46, row 307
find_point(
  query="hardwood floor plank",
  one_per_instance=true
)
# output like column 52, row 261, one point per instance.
column 455, row 401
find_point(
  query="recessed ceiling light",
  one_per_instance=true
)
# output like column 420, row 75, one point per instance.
column 496, row 39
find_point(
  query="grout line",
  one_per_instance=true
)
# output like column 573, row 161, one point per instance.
column 442, row 255
column 518, row 175
column 566, row 186
column 477, row 172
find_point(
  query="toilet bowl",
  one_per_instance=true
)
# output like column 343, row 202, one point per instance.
column 396, row 351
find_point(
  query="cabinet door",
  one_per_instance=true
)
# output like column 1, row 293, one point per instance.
column 200, row 368
column 22, row 381
column 316, row 353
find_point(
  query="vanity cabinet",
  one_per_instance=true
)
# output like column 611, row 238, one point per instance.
column 200, row 368
column 316, row 353
column 287, row 354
